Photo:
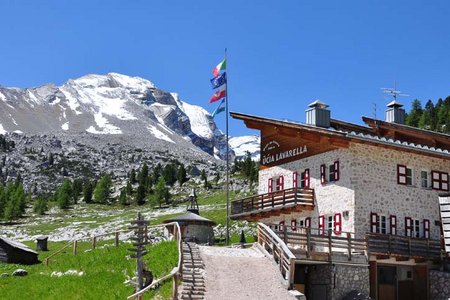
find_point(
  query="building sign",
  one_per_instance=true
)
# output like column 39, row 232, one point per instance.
column 272, row 152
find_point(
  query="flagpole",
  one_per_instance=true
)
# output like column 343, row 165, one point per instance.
column 228, row 158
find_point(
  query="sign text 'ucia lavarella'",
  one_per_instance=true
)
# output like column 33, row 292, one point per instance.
column 277, row 156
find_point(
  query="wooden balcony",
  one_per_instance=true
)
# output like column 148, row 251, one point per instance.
column 312, row 244
column 402, row 247
column 282, row 202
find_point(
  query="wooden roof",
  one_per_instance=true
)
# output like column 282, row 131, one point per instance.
column 378, row 133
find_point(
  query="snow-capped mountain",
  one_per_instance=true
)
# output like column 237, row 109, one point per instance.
column 111, row 104
column 243, row 144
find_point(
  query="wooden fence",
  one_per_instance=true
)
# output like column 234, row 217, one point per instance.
column 279, row 199
column 94, row 239
column 307, row 241
column 279, row 251
column 386, row 244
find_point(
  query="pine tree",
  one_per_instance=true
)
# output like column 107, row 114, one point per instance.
column 161, row 192
column 64, row 194
column 181, row 175
column 40, row 206
column 132, row 176
column 140, row 195
column 87, row 191
column 204, row 178
column 169, row 174
column 77, row 189
column 50, row 159
column 102, row 190
column 129, row 188
column 414, row 115
column 143, row 175
column 123, row 200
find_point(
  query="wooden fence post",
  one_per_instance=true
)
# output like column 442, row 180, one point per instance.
column 75, row 244
column 349, row 246
column 175, row 287
column 116, row 239
column 291, row 272
column 285, row 233
column 94, row 242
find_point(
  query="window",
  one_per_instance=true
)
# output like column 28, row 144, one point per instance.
column 439, row 181
column 333, row 173
column 393, row 224
column 424, row 179
column 408, row 226
column 404, row 175
column 426, row 228
column 294, row 179
column 270, row 185
column 383, row 225
column 280, row 183
column 330, row 223
column 416, row 229
column 304, row 179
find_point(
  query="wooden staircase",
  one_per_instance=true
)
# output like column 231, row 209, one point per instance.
column 193, row 282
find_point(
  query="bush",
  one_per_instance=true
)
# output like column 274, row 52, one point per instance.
column 40, row 206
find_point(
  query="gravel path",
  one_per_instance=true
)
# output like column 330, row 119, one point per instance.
column 240, row 274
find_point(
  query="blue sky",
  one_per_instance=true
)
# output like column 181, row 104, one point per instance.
column 282, row 54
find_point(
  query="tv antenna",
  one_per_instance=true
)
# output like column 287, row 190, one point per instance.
column 374, row 110
column 394, row 92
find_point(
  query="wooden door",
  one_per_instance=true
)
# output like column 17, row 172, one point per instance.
column 387, row 283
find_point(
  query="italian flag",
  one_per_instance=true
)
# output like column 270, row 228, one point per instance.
column 221, row 66
column 219, row 94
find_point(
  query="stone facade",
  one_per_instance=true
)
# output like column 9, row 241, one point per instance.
column 203, row 234
column 439, row 285
column 367, row 183
column 333, row 282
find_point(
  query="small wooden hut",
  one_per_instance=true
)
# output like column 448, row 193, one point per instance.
column 195, row 228
column 16, row 252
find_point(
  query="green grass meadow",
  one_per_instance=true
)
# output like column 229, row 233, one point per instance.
column 104, row 273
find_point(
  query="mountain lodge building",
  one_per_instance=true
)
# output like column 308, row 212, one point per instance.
column 356, row 205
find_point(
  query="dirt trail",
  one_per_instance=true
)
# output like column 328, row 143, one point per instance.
column 240, row 274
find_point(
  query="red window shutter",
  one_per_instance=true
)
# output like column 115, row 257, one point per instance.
column 337, row 223
column 408, row 226
column 270, row 185
column 281, row 183
column 281, row 226
column 426, row 228
column 374, row 223
column 393, row 224
column 322, row 174
column 308, row 222
column 294, row 225
column 336, row 170
column 401, row 174
column 322, row 225
column 444, row 181
column 295, row 179
column 307, row 179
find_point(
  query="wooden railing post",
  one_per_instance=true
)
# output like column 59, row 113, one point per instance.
column 116, row 239
column 349, row 246
column 389, row 244
column 175, row 287
column 75, row 247
column 409, row 246
column 284, row 197
column 285, row 234
column 291, row 272
column 308, row 241
column 94, row 242
column 273, row 199
column 253, row 204
column 262, row 201
column 329, row 243
column 242, row 206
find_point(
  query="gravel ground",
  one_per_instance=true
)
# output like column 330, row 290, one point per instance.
column 241, row 274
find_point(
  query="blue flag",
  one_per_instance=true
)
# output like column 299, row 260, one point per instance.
column 219, row 80
column 220, row 108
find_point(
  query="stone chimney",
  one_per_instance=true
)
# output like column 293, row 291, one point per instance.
column 395, row 113
column 318, row 115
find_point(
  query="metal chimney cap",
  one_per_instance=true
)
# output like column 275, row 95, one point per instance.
column 318, row 104
column 394, row 103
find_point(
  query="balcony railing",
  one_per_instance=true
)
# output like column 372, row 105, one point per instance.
column 402, row 246
column 285, row 199
column 316, row 244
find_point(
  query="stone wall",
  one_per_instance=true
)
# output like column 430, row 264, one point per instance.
column 203, row 234
column 374, row 177
column 337, row 281
column 439, row 285
column 331, row 198
column 367, row 183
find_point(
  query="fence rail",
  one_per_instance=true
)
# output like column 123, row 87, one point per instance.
column 270, row 242
column 266, row 202
column 386, row 244
column 307, row 241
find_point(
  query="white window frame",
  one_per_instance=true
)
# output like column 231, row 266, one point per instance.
column 425, row 183
column 416, row 230
column 383, row 224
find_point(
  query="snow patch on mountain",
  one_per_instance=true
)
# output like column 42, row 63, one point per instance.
column 243, row 144
column 199, row 118
column 2, row 131
column 159, row 134
column 65, row 126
